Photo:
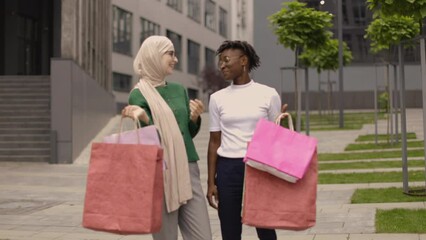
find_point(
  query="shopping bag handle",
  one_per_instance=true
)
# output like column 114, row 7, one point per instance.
column 290, row 120
column 136, row 123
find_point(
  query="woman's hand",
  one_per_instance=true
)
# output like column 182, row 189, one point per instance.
column 284, row 108
column 135, row 112
column 196, row 107
column 212, row 196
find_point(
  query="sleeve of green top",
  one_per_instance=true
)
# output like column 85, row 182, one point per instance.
column 136, row 98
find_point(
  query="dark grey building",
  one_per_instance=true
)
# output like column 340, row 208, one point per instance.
column 55, row 77
column 359, row 78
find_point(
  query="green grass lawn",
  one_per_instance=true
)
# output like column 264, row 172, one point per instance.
column 376, row 177
column 401, row 221
column 369, row 165
column 382, row 137
column 382, row 145
column 384, row 195
column 368, row 155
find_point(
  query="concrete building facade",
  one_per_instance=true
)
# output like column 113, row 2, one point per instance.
column 196, row 27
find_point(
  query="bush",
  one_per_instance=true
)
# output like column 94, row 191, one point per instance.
column 383, row 102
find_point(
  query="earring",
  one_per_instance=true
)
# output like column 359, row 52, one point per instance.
column 244, row 68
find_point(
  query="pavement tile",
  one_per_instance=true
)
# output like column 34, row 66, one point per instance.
column 48, row 235
column 15, row 234
column 89, row 236
column 331, row 237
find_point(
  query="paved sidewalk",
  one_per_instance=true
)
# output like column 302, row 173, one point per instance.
column 39, row 201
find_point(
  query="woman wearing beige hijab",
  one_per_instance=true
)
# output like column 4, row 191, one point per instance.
column 167, row 106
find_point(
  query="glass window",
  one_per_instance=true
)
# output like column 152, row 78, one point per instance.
column 177, row 43
column 175, row 4
column 193, row 57
column 121, row 30
column 312, row 3
column 121, row 82
column 148, row 28
column 223, row 19
column 210, row 15
column 359, row 9
column 345, row 13
column 194, row 10
column 210, row 58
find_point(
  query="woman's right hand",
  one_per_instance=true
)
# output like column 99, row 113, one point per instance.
column 212, row 196
column 135, row 112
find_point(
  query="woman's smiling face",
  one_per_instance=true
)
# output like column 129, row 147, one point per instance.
column 169, row 61
column 229, row 63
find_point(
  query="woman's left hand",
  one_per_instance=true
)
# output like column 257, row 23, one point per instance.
column 284, row 108
column 196, row 107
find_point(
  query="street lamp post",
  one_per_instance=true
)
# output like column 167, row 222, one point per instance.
column 339, row 14
column 340, row 38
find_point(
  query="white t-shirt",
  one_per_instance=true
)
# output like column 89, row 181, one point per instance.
column 235, row 110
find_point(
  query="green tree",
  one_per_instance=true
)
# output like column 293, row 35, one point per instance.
column 298, row 26
column 326, row 57
column 411, row 8
column 387, row 31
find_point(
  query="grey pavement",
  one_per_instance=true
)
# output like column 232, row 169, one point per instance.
column 40, row 201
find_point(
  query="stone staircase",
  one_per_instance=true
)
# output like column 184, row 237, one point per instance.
column 25, row 118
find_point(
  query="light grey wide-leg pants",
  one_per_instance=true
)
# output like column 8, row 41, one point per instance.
column 192, row 218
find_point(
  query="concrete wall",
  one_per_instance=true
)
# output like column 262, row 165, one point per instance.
column 80, row 108
column 359, row 85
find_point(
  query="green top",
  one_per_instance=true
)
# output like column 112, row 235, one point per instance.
column 176, row 97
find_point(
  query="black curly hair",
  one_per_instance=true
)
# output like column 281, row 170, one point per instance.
column 246, row 48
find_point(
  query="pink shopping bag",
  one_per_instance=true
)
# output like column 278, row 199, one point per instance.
column 280, row 151
column 270, row 202
column 139, row 135
column 124, row 191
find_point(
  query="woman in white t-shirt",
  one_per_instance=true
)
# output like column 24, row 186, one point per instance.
column 234, row 112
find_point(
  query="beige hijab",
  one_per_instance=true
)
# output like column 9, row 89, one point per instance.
column 148, row 65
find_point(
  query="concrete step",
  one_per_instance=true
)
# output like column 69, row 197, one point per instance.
column 27, row 95
column 27, row 118
column 24, row 79
column 19, row 107
column 24, row 144
column 10, row 90
column 29, row 124
column 25, row 137
column 27, row 101
column 23, row 84
column 23, row 131
column 19, row 112
column 25, row 158
column 24, row 151
column 22, row 87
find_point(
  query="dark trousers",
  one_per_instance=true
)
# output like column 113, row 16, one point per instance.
column 230, row 182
